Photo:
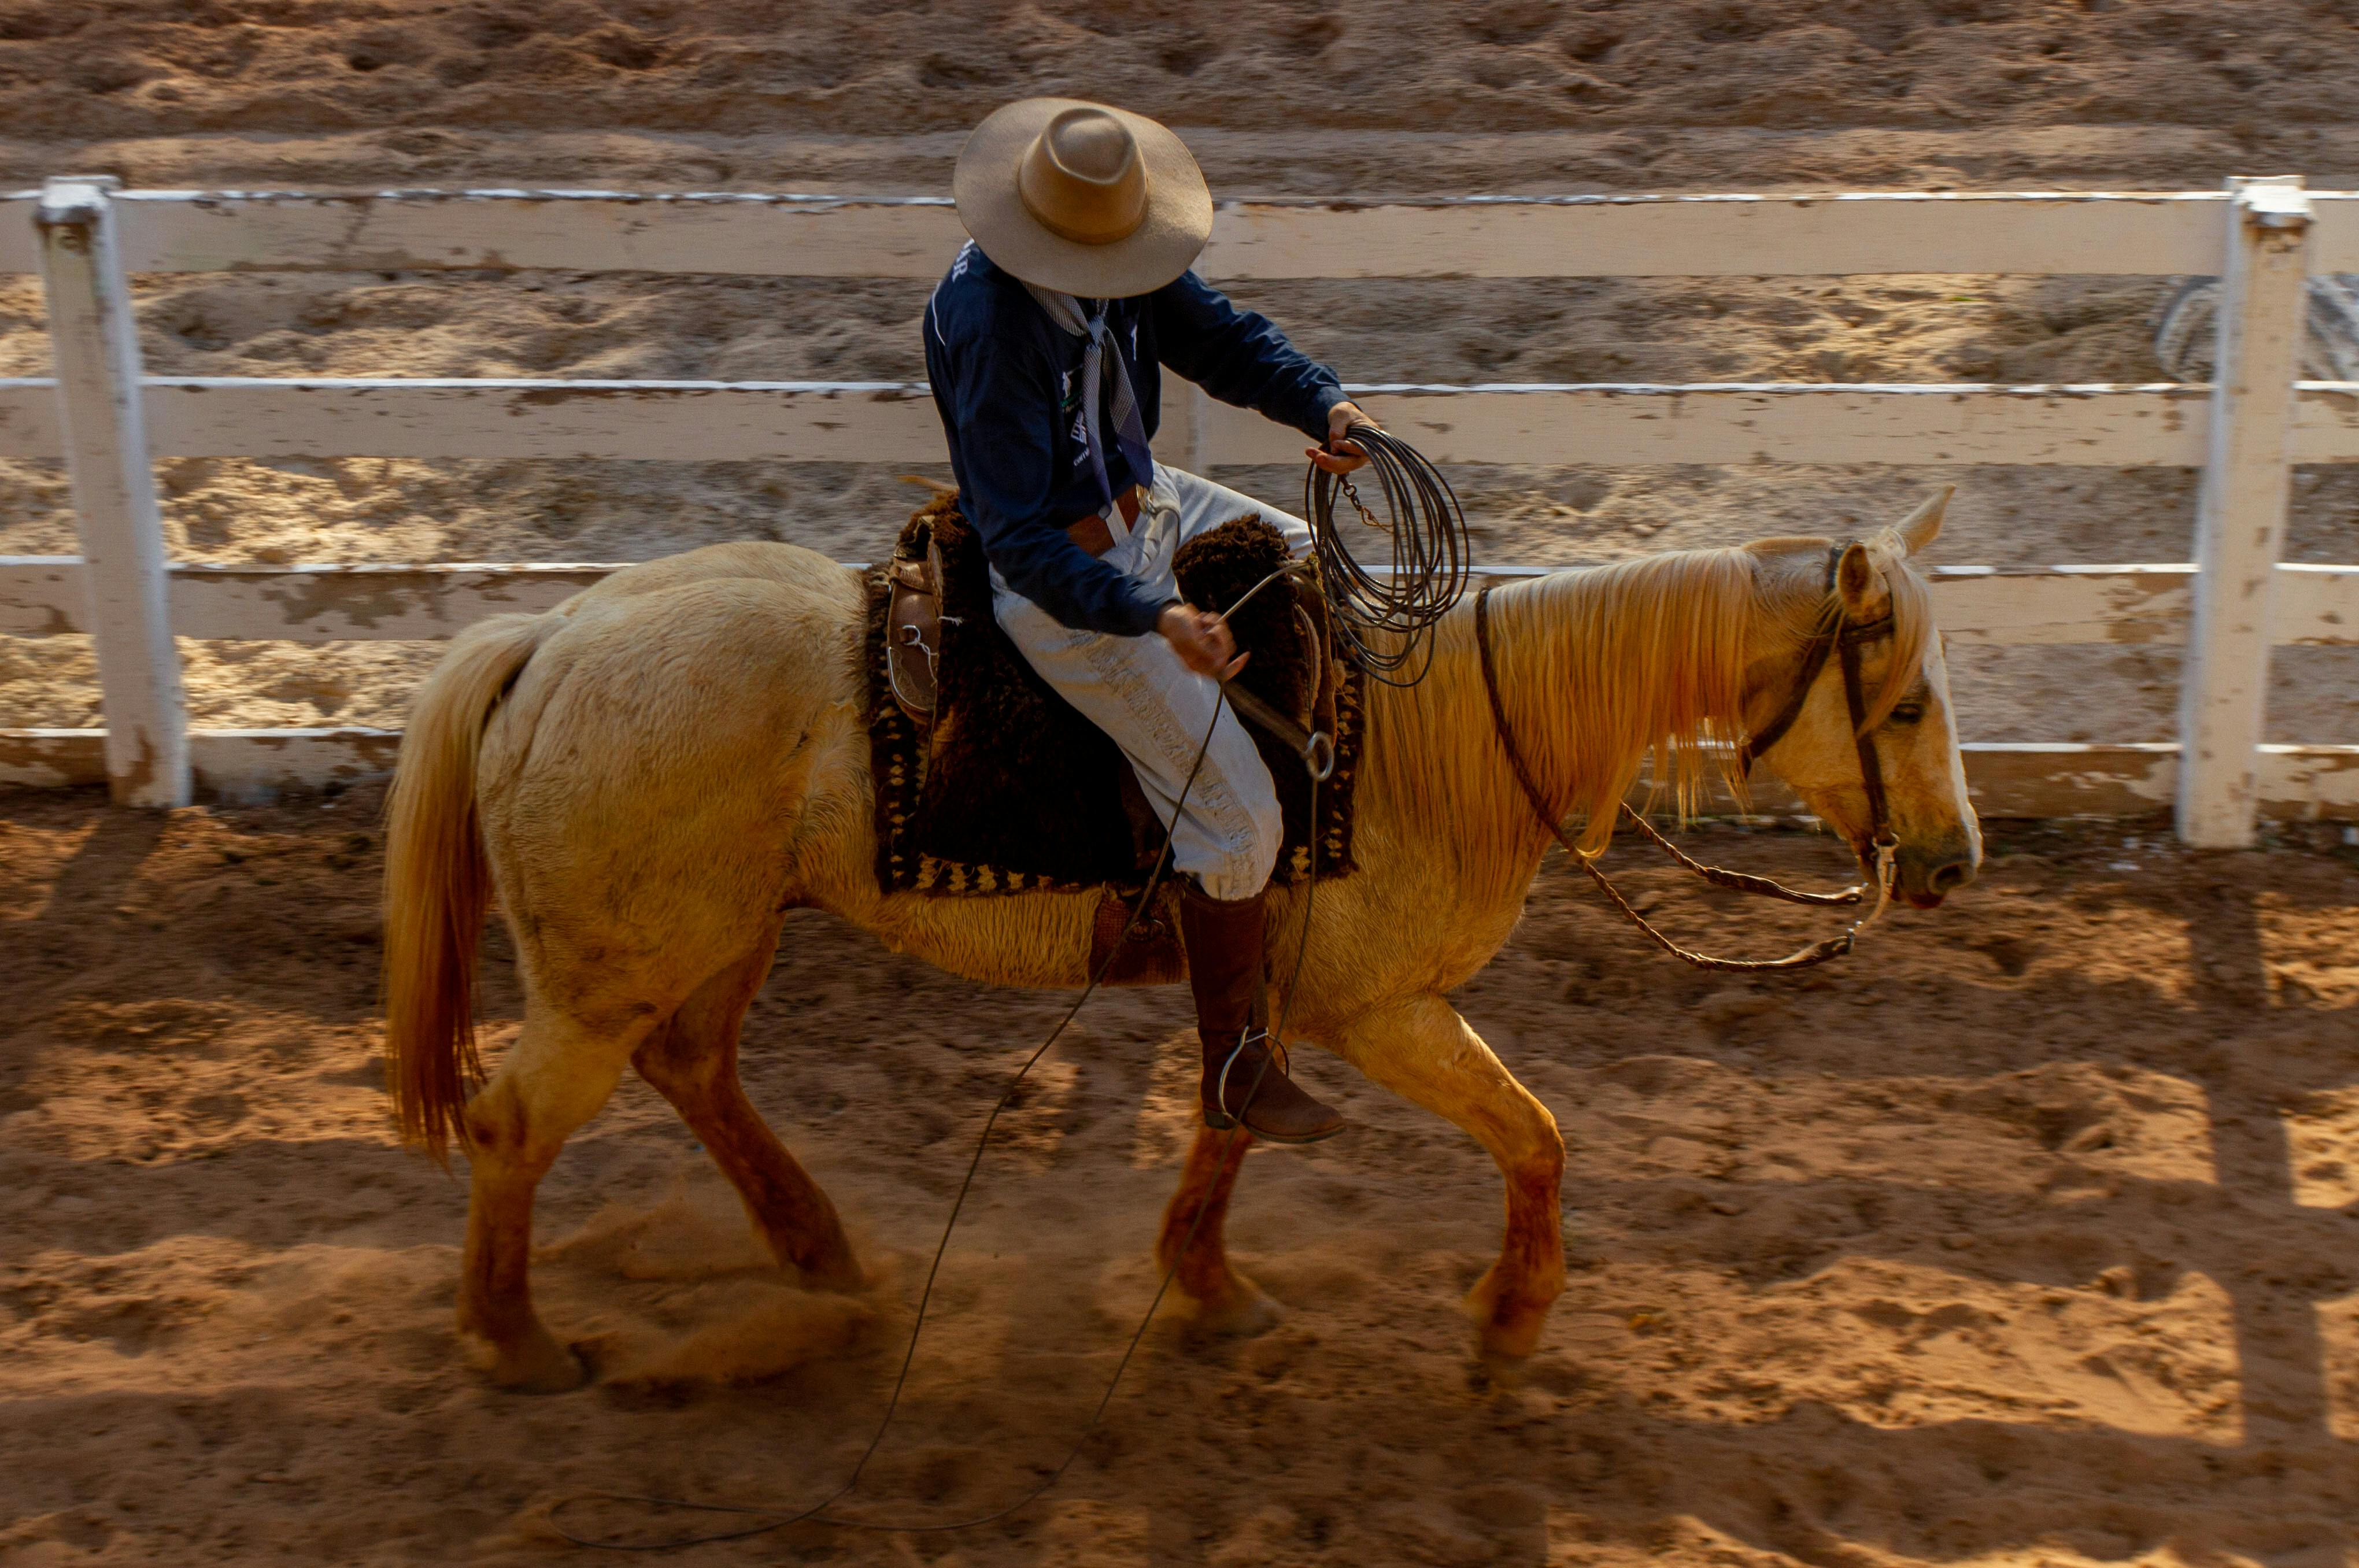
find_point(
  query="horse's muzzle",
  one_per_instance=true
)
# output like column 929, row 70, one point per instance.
column 1925, row 879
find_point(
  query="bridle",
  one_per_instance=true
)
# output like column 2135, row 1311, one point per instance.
column 1840, row 638
column 1844, row 638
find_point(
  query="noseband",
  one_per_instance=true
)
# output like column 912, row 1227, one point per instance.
column 1841, row 638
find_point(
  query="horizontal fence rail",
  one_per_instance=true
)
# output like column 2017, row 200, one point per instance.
column 2263, row 236
column 1982, row 606
column 2124, row 233
column 1918, row 424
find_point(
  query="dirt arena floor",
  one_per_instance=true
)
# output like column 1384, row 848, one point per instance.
column 2031, row 1238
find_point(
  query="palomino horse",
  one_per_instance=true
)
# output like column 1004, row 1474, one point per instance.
column 652, row 773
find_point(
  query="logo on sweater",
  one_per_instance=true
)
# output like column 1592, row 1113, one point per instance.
column 1068, row 403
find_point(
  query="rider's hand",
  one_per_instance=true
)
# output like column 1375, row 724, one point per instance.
column 1201, row 640
column 1340, row 456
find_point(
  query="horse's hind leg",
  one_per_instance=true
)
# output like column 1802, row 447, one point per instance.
column 692, row 1062
column 554, row 1079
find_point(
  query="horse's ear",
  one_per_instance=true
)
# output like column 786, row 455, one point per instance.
column 1864, row 596
column 1923, row 525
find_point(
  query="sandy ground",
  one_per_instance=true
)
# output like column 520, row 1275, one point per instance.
column 81, row 68
column 2027, row 1240
column 2057, row 1270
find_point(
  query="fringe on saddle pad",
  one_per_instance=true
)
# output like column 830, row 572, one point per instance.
column 1015, row 792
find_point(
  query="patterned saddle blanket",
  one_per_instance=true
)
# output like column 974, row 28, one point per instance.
column 1014, row 791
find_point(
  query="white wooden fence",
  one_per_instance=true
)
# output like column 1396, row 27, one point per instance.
column 2231, row 606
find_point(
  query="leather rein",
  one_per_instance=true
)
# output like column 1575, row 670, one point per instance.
column 1841, row 639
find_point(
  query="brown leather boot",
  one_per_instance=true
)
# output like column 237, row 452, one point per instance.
column 1245, row 1079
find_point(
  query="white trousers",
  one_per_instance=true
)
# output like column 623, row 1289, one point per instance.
column 1227, row 832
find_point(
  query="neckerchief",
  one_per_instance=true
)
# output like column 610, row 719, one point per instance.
column 1129, row 430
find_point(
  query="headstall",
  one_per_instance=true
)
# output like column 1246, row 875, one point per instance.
column 1839, row 637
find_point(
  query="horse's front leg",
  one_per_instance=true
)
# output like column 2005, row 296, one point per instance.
column 1422, row 1050
column 1191, row 1245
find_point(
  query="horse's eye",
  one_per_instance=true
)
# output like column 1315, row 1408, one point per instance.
column 1908, row 713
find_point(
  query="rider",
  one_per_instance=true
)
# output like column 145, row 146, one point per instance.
column 1043, row 343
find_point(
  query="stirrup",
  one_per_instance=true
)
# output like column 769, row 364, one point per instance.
column 1221, row 1086
column 1289, row 1115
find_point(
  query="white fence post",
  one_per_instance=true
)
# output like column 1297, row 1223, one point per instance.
column 95, row 341
column 2240, row 515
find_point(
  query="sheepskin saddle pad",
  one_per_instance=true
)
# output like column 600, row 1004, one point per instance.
column 1014, row 791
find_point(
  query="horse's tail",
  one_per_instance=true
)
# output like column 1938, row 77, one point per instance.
column 437, row 884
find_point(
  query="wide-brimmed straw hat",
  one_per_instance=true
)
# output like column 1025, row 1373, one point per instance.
column 1082, row 199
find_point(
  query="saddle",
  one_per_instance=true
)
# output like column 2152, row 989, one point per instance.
column 988, row 782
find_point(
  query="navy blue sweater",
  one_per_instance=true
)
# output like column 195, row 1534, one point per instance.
column 1007, row 381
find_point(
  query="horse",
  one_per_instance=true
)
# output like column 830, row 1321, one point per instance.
column 651, row 774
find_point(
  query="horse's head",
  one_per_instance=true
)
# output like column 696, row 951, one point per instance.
column 1903, row 686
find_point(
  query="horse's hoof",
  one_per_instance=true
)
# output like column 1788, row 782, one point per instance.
column 1506, row 1344
column 841, row 1275
column 1239, row 1312
column 1506, row 1332
column 539, row 1366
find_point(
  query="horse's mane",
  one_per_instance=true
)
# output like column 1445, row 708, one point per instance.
column 1604, row 667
